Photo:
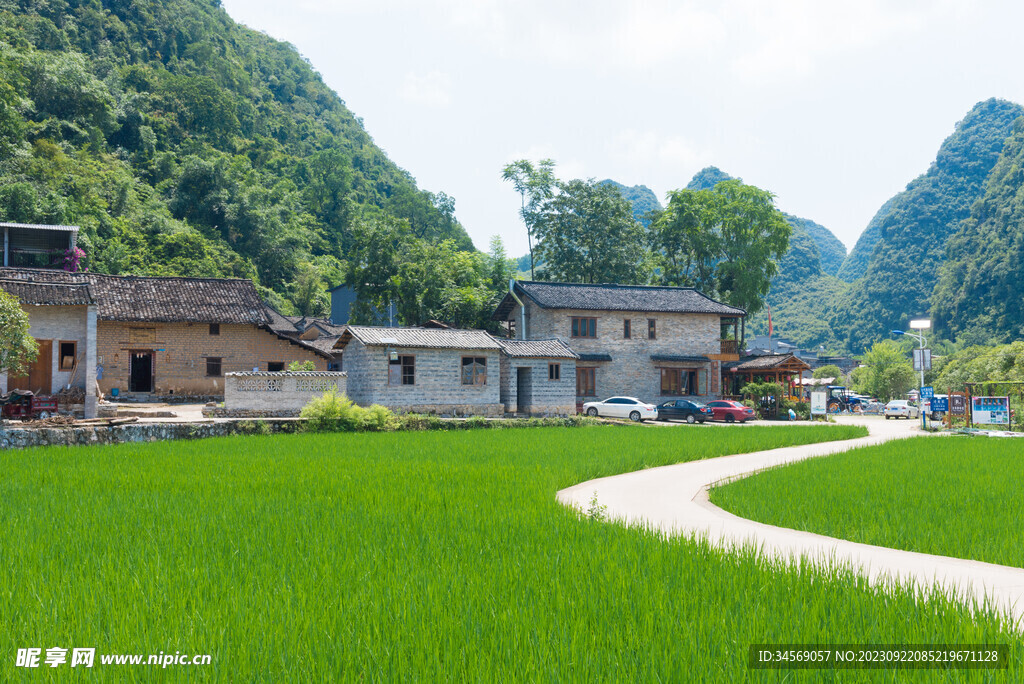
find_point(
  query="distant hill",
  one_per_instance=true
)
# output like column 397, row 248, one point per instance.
column 978, row 296
column 642, row 198
column 830, row 248
column 856, row 262
column 707, row 178
column 905, row 261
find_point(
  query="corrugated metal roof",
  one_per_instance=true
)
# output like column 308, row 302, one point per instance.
column 612, row 297
column 48, row 294
column 552, row 348
column 425, row 338
column 37, row 226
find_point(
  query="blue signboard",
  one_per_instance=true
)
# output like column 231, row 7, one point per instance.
column 927, row 392
column 940, row 404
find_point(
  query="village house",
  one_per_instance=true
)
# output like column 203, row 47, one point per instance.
column 653, row 343
column 162, row 337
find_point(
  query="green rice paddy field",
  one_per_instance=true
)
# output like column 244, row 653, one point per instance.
column 439, row 556
column 951, row 496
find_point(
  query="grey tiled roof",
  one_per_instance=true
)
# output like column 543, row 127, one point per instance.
column 680, row 358
column 277, row 374
column 159, row 300
column 48, row 294
column 553, row 349
column 427, row 338
column 612, row 297
column 595, row 357
column 764, row 362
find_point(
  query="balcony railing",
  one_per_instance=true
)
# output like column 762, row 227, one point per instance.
column 730, row 347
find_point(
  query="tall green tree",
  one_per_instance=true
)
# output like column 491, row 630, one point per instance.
column 887, row 372
column 725, row 241
column 535, row 185
column 17, row 347
column 587, row 234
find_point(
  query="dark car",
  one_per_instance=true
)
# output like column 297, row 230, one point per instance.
column 683, row 409
column 731, row 411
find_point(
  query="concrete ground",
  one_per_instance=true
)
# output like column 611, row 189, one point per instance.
column 675, row 499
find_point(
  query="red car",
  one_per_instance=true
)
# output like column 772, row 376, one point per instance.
column 731, row 411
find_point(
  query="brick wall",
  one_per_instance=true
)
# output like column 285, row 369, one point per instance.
column 544, row 397
column 631, row 371
column 180, row 353
column 438, row 384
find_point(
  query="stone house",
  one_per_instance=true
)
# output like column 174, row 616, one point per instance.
column 538, row 377
column 653, row 343
column 175, row 337
column 423, row 370
column 62, row 319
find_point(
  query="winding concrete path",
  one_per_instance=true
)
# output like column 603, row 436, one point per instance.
column 675, row 499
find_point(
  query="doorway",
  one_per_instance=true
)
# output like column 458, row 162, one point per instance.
column 140, row 372
column 524, row 389
column 40, row 373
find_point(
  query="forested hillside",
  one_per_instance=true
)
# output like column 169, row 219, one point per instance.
column 183, row 143
column 905, row 262
column 978, row 298
column 641, row 197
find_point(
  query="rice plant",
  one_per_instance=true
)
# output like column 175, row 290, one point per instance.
column 427, row 556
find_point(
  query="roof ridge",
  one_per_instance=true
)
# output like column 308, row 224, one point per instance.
column 613, row 285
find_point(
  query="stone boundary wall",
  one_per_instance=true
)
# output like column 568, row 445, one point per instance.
column 15, row 438
column 259, row 394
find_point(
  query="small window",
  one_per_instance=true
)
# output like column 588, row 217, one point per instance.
column 584, row 327
column 474, row 370
column 626, row 332
column 213, row 366
column 402, row 371
column 585, row 385
column 672, row 381
column 652, row 329
column 554, row 371
column 334, row 366
column 275, row 366
column 68, row 355
column 215, row 328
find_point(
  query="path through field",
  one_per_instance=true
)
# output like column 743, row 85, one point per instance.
column 675, row 499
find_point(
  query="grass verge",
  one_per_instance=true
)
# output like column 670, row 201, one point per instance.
column 951, row 496
column 411, row 556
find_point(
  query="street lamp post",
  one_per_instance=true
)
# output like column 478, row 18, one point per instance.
column 918, row 324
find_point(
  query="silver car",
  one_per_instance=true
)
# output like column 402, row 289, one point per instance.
column 622, row 407
column 900, row 408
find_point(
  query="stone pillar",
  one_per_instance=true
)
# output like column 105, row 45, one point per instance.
column 91, row 400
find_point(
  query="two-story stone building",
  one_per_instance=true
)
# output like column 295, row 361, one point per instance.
column 653, row 343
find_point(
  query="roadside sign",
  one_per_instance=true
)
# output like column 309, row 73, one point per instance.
column 927, row 392
column 958, row 405
column 922, row 359
column 940, row 405
column 819, row 403
column 990, row 410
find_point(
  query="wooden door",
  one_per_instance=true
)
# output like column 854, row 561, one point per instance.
column 40, row 373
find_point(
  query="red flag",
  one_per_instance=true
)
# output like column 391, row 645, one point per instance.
column 769, row 319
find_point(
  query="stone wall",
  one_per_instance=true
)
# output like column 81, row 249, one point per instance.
column 181, row 350
column 631, row 371
column 437, row 389
column 15, row 438
column 544, row 397
column 276, row 394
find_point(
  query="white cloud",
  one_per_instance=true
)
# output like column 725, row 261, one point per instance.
column 432, row 89
column 654, row 150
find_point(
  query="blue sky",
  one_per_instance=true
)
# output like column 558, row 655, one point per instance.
column 833, row 106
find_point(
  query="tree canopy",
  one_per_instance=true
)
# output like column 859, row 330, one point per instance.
column 17, row 347
column 886, row 373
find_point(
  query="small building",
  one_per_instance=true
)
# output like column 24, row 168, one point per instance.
column 538, row 377
column 173, row 337
column 652, row 343
column 423, row 370
column 37, row 246
column 785, row 369
column 62, row 319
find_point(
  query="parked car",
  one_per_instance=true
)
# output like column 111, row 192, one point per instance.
column 900, row 408
column 684, row 409
column 731, row 411
column 622, row 407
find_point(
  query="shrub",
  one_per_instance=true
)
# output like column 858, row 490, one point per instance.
column 333, row 411
column 380, row 419
column 300, row 366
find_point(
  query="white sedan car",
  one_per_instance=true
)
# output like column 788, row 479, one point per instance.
column 900, row 408
column 622, row 407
